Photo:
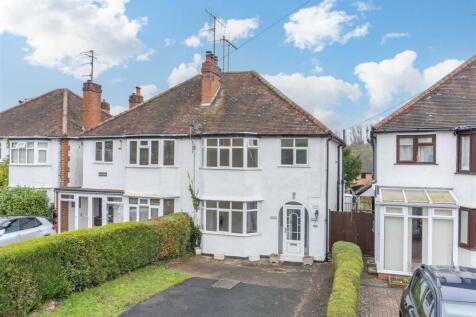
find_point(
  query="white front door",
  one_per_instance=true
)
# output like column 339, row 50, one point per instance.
column 293, row 231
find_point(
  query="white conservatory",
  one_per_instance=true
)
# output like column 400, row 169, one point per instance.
column 415, row 226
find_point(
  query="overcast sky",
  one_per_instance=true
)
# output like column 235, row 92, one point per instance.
column 343, row 61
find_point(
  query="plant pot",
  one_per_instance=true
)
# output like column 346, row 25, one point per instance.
column 308, row 260
column 198, row 251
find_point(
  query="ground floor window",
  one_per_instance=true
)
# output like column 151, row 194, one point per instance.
column 467, row 228
column 231, row 216
column 148, row 208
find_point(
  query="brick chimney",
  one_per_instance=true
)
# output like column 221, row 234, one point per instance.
column 105, row 106
column 136, row 98
column 91, row 105
column 211, row 75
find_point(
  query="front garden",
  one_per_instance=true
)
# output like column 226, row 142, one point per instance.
column 36, row 271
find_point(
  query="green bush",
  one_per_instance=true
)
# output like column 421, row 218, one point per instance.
column 348, row 264
column 34, row 271
column 21, row 201
column 4, row 174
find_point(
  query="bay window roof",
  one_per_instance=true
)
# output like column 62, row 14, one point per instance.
column 417, row 196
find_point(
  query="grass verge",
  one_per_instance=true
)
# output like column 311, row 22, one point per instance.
column 112, row 298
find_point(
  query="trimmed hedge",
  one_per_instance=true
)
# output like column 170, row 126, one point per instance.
column 34, row 271
column 24, row 201
column 348, row 263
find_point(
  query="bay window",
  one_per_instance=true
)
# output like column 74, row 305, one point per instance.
column 230, row 152
column 416, row 149
column 466, row 153
column 147, row 152
column 104, row 151
column 294, row 151
column 235, row 217
column 29, row 152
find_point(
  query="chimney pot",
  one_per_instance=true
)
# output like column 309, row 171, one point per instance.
column 135, row 98
column 91, row 104
column 105, row 106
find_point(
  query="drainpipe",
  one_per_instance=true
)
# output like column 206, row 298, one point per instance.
column 327, row 198
column 339, row 182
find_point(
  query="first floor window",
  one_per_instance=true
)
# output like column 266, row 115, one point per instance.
column 147, row 152
column 467, row 228
column 31, row 152
column 416, row 148
column 231, row 152
column 231, row 216
column 466, row 150
column 294, row 151
column 103, row 151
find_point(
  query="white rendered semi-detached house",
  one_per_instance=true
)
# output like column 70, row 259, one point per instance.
column 266, row 171
column 425, row 162
column 40, row 136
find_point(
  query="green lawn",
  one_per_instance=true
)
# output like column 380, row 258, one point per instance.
column 112, row 298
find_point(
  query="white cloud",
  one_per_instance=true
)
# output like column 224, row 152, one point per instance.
column 387, row 79
column 148, row 91
column 232, row 29
column 168, row 42
column 316, row 94
column 57, row 31
column 193, row 41
column 362, row 6
column 185, row 71
column 317, row 68
column 316, row 27
column 116, row 109
column 393, row 35
column 146, row 55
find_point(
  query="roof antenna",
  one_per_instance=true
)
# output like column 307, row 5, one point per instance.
column 90, row 55
column 213, row 29
column 226, row 57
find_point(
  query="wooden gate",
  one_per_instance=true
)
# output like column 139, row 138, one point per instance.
column 355, row 227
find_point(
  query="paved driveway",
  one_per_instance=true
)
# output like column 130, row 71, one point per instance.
column 376, row 299
column 242, row 288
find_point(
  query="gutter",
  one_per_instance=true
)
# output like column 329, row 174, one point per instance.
column 327, row 198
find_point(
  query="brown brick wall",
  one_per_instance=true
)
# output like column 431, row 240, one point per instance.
column 91, row 105
column 64, row 181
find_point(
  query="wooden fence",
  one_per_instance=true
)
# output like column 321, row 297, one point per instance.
column 356, row 227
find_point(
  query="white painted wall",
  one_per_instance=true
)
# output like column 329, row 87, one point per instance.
column 4, row 148
column 442, row 174
column 271, row 184
column 38, row 176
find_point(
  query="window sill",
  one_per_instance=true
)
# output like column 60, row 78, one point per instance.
column 231, row 168
column 416, row 163
column 103, row 163
column 465, row 173
column 151, row 166
column 467, row 247
column 295, row 166
column 30, row 165
column 231, row 234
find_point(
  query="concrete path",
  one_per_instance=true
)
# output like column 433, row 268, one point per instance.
column 243, row 289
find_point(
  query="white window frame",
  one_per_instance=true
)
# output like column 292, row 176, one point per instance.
column 27, row 146
column 247, row 144
column 103, row 151
column 160, row 154
column 295, row 149
column 244, row 212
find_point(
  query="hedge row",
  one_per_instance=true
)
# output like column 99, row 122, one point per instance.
column 24, row 201
column 34, row 271
column 348, row 263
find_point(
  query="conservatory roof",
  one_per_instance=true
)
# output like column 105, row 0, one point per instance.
column 417, row 196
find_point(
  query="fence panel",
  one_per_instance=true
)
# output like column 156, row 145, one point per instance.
column 355, row 227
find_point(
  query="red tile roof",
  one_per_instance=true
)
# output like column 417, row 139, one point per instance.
column 42, row 116
column 449, row 103
column 246, row 103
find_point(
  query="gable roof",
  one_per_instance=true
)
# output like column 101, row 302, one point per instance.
column 246, row 103
column 43, row 116
column 449, row 103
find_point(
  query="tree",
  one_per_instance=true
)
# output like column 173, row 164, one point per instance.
column 352, row 166
column 3, row 174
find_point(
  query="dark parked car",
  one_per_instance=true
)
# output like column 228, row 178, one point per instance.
column 440, row 291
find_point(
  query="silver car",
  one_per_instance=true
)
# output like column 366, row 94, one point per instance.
column 19, row 228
